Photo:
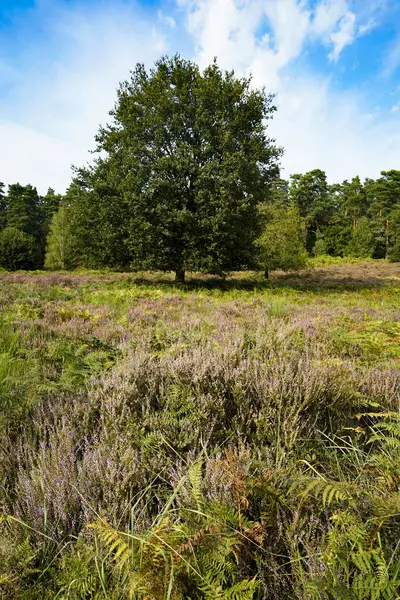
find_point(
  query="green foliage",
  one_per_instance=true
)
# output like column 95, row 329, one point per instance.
column 362, row 243
column 319, row 246
column 357, row 567
column 49, row 205
column 60, row 250
column 310, row 194
column 37, row 363
column 281, row 244
column 190, row 202
column 18, row 250
column 23, row 212
column 190, row 554
column 3, row 208
column 394, row 254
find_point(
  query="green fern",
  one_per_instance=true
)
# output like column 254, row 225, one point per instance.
column 330, row 491
column 78, row 579
column 199, row 547
column 196, row 480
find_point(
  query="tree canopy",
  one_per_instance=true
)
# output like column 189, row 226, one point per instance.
column 184, row 164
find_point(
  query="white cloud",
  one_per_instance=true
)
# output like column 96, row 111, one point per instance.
column 30, row 156
column 327, row 14
column 52, row 112
column 318, row 127
column 366, row 27
column 335, row 23
column 344, row 35
column 52, row 109
column 323, row 129
column 166, row 19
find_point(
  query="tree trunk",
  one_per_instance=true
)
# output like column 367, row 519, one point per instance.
column 266, row 273
column 179, row 276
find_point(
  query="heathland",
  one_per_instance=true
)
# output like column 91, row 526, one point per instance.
column 234, row 438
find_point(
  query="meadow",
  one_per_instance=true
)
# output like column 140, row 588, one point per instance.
column 222, row 439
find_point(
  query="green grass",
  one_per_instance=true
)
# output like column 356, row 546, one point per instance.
column 232, row 438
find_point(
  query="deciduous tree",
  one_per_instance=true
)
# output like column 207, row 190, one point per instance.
column 282, row 241
column 184, row 164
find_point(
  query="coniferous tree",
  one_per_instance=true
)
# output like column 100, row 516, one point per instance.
column 310, row 194
column 18, row 250
column 394, row 235
column 24, row 210
column 353, row 200
column 383, row 196
column 49, row 204
column 22, row 214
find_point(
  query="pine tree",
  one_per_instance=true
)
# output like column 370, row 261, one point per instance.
column 24, row 210
column 49, row 204
column 18, row 250
column 310, row 194
column 394, row 235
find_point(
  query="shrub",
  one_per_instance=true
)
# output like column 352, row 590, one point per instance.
column 17, row 250
column 281, row 245
column 394, row 253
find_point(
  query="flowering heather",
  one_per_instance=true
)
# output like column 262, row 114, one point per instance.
column 242, row 432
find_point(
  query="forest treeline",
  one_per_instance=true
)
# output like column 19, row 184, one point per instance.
column 301, row 215
column 187, row 179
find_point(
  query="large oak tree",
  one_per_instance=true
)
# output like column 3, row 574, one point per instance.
column 182, row 167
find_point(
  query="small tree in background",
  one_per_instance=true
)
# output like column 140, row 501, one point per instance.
column 281, row 244
column 60, row 247
column 394, row 253
column 18, row 250
column 319, row 246
column 362, row 244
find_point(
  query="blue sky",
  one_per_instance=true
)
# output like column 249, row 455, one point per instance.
column 334, row 65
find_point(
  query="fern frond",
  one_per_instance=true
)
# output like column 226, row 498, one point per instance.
column 196, row 479
column 331, row 491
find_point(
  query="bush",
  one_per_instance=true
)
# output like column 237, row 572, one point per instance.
column 320, row 247
column 394, row 253
column 282, row 242
column 17, row 250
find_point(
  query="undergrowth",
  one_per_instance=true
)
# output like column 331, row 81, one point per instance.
column 218, row 440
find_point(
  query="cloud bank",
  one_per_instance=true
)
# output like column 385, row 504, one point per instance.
column 59, row 89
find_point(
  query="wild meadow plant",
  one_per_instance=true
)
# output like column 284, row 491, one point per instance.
column 218, row 440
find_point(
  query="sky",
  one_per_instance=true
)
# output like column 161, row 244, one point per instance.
column 334, row 66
